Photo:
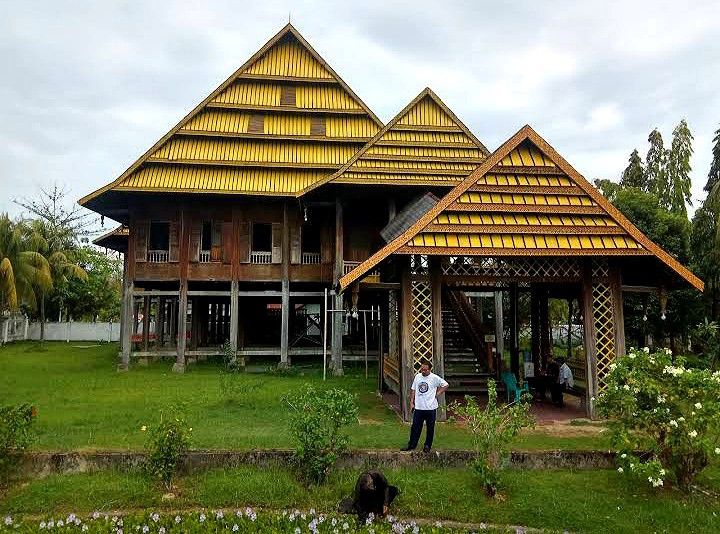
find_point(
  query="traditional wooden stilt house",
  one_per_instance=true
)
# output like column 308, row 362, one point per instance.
column 282, row 185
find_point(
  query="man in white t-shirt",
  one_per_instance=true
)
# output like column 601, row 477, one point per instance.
column 425, row 390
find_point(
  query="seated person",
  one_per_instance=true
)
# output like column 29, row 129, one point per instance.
column 564, row 381
column 372, row 494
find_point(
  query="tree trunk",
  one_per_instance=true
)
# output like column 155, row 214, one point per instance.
column 42, row 317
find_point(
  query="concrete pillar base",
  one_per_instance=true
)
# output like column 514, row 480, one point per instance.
column 123, row 368
column 178, row 368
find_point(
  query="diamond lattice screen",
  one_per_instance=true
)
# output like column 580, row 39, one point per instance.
column 603, row 317
column 422, row 334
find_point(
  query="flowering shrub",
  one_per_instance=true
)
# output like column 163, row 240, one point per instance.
column 166, row 444
column 492, row 429
column 316, row 422
column 247, row 520
column 659, row 406
column 15, row 436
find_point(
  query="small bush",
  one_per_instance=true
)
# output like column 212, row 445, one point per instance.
column 230, row 359
column 15, row 436
column 167, row 443
column 492, row 430
column 317, row 420
column 670, row 412
column 236, row 387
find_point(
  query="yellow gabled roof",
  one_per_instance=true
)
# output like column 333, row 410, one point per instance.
column 523, row 200
column 425, row 144
column 281, row 122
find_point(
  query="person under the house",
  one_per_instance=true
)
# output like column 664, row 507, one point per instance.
column 563, row 382
column 424, row 392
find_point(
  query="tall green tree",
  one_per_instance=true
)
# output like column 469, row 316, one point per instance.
column 678, row 170
column 23, row 268
column 706, row 254
column 712, row 187
column 634, row 173
column 655, row 179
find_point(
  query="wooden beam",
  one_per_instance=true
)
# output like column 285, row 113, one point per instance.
column 337, row 318
column 146, row 323
column 514, row 331
column 185, row 230
column 407, row 371
column 234, row 319
column 589, row 339
column 196, row 293
column 499, row 331
column 154, row 293
column 618, row 312
column 126, row 325
column 285, row 109
column 437, row 328
column 285, row 308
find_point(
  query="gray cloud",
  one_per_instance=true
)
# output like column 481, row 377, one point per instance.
column 88, row 86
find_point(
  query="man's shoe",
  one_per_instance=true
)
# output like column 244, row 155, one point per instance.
column 406, row 449
column 426, row 449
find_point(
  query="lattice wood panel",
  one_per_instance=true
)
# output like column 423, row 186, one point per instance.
column 603, row 317
column 513, row 268
column 421, row 323
column 393, row 354
column 419, row 264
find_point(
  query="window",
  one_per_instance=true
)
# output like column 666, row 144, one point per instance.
column 159, row 242
column 206, row 241
column 261, row 244
column 310, row 244
column 256, row 124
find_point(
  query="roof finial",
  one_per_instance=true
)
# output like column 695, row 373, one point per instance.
column 289, row 17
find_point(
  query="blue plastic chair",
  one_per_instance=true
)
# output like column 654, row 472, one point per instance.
column 511, row 386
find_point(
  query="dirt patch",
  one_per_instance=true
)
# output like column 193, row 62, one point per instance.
column 371, row 422
column 564, row 429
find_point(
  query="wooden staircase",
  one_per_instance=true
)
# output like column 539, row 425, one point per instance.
column 463, row 345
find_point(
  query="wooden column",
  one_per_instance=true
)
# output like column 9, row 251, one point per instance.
column 499, row 331
column 160, row 323
column 586, row 302
column 337, row 318
column 234, row 308
column 514, row 333
column 285, row 316
column 618, row 313
column 439, row 355
column 535, row 328
column 545, row 333
column 184, row 257
column 406, row 371
column 146, row 323
column 127, row 323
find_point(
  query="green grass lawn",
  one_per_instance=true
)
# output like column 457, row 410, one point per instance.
column 84, row 403
column 580, row 501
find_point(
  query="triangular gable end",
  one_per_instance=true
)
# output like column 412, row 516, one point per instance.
column 285, row 92
column 525, row 199
column 424, row 144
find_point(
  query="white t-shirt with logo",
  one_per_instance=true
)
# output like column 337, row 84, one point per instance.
column 425, row 388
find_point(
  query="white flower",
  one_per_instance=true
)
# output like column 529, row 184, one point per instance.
column 143, row 428
column 60, row 522
column 623, row 455
column 96, row 515
column 8, row 520
column 155, row 517
column 673, row 423
column 345, row 526
column 626, row 387
column 692, row 433
column 235, row 528
column 297, row 530
column 698, row 405
column 646, row 350
column 178, row 519
column 161, row 530
column 631, row 356
column 42, row 525
column 668, row 352
column 145, row 529
column 85, row 529
column 202, row 518
column 681, row 419
column 662, row 472
column 717, row 450
column 219, row 514
column 620, row 470
column 661, row 399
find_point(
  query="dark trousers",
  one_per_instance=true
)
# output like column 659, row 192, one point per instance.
column 420, row 416
column 556, row 393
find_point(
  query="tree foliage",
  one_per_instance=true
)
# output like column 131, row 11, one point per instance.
column 634, row 173
column 655, row 179
column 678, row 170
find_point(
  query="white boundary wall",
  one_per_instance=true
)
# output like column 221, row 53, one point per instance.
column 67, row 331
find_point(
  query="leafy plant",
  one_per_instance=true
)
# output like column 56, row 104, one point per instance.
column 235, row 387
column 317, row 420
column 167, row 443
column 659, row 406
column 706, row 338
column 15, row 436
column 492, row 429
column 230, row 359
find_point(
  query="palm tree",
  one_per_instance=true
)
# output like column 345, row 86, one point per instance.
column 23, row 268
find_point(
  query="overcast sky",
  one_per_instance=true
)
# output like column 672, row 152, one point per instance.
column 87, row 87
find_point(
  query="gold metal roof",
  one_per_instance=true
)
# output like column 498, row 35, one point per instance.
column 280, row 123
column 425, row 144
column 523, row 200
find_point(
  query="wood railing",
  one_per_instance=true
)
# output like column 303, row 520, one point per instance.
column 158, row 256
column 310, row 258
column 205, row 256
column 263, row 258
column 468, row 320
column 372, row 276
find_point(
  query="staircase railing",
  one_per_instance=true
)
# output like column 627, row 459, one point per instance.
column 469, row 322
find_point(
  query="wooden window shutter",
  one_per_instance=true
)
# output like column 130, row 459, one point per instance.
column 317, row 125
column 277, row 230
column 174, row 240
column 256, row 123
column 287, row 95
column 141, row 238
column 243, row 243
column 226, row 241
column 195, row 238
column 216, row 242
column 295, row 237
